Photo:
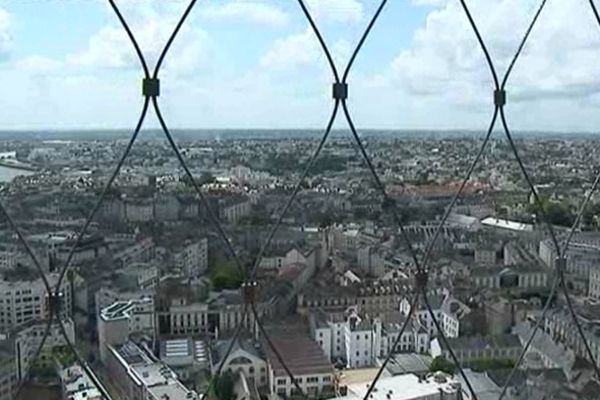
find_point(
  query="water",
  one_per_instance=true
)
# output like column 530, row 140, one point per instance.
column 8, row 174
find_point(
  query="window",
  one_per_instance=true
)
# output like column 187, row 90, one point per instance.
column 312, row 379
column 281, row 381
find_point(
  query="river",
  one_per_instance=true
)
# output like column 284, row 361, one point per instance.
column 8, row 174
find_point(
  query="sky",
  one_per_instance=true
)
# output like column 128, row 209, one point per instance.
column 68, row 64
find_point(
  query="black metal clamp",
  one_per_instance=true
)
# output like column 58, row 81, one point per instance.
column 340, row 91
column 421, row 279
column 249, row 291
column 561, row 264
column 151, row 87
column 499, row 97
column 55, row 302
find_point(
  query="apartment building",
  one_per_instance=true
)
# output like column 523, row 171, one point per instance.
column 524, row 277
column 232, row 209
column 305, row 359
column 373, row 298
column 24, row 297
column 8, row 369
column 141, row 376
column 361, row 347
column 181, row 312
column 139, row 210
column 192, row 257
column 117, row 321
column 559, row 325
column 27, row 339
column 76, row 384
column 356, row 342
column 447, row 310
column 472, row 348
column 133, row 251
column 594, row 285
column 371, row 261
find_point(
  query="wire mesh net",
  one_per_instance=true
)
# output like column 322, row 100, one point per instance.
column 253, row 312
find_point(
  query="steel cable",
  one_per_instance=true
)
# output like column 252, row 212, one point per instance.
column 294, row 194
column 463, row 184
column 234, row 338
column 392, row 350
column 24, row 379
column 421, row 284
column 421, row 267
column 82, row 362
column 559, row 280
column 366, row 158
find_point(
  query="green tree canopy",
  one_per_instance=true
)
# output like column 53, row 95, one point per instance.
column 440, row 363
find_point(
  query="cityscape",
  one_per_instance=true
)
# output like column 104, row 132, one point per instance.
column 154, row 303
column 320, row 199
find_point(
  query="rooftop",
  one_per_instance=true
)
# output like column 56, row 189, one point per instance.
column 482, row 342
column 403, row 363
column 403, row 387
column 303, row 356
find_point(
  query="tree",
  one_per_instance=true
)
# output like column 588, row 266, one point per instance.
column 440, row 363
column 487, row 364
column 223, row 386
column 225, row 275
column 206, row 177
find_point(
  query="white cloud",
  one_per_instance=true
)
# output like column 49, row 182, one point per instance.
column 36, row 64
column 111, row 48
column 295, row 50
column 342, row 11
column 559, row 59
column 251, row 11
column 6, row 42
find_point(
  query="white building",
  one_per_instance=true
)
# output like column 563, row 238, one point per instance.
column 447, row 311
column 437, row 386
column 76, row 384
column 117, row 321
column 245, row 357
column 27, row 340
column 192, row 258
column 141, row 377
column 594, row 288
column 358, row 343
column 361, row 347
column 26, row 299
column 305, row 359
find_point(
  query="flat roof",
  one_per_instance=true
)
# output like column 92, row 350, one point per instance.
column 506, row 224
column 401, row 387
